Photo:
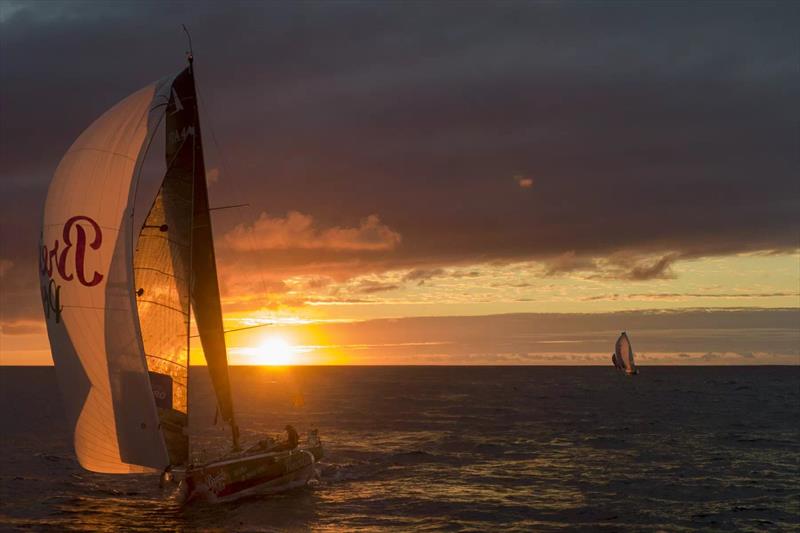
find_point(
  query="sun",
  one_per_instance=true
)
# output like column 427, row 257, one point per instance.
column 274, row 351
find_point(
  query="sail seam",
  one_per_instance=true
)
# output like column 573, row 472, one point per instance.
column 157, row 236
column 181, row 311
column 165, row 273
column 102, row 226
column 167, row 361
column 66, row 306
column 103, row 151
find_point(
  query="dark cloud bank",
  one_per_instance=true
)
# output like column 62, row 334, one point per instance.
column 661, row 130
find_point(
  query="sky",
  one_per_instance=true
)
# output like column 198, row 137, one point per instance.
column 447, row 183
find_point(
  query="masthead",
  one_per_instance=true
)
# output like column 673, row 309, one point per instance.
column 189, row 53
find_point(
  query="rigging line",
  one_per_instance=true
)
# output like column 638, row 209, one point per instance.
column 210, row 128
column 186, row 30
column 196, row 92
column 157, row 236
column 159, row 271
column 169, row 361
column 241, row 329
column 227, row 207
column 139, row 176
column 154, row 302
column 141, row 168
column 223, row 163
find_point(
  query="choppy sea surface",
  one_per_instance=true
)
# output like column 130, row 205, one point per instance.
column 449, row 448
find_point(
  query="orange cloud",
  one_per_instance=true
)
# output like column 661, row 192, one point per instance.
column 568, row 262
column 5, row 266
column 524, row 181
column 624, row 265
column 212, row 175
column 298, row 231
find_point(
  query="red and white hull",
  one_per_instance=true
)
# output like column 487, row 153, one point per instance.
column 260, row 473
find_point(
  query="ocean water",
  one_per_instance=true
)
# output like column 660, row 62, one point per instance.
column 449, row 448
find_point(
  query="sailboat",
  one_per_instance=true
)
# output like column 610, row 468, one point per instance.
column 118, row 302
column 623, row 355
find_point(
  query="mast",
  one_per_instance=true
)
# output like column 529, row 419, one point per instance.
column 190, row 58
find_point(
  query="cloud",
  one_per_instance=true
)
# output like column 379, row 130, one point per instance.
column 317, row 282
column 212, row 175
column 5, row 266
column 687, row 295
column 299, row 231
column 371, row 287
column 622, row 265
column 335, row 300
column 568, row 262
column 22, row 327
column 421, row 275
column 694, row 336
column 670, row 138
column 653, row 269
column 465, row 274
column 524, row 182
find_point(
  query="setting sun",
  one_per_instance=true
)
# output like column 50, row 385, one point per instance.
column 274, row 351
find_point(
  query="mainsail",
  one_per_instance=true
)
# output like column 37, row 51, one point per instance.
column 87, row 290
column 205, row 286
column 623, row 355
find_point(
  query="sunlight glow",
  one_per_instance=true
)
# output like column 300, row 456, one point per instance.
column 274, row 351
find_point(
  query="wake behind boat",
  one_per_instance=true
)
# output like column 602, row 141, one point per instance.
column 623, row 355
column 118, row 303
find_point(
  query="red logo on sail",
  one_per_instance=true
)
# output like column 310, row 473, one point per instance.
column 68, row 257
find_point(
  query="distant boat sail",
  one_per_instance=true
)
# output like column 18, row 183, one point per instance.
column 118, row 315
column 623, row 355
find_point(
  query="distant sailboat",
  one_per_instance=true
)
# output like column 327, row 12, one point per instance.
column 623, row 355
column 118, row 306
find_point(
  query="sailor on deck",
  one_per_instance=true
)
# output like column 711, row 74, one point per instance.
column 292, row 438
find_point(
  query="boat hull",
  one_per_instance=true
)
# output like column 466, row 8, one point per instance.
column 263, row 473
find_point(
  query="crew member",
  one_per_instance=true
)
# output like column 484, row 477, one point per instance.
column 292, row 438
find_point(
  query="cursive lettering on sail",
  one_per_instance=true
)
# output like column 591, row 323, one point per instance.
column 79, row 232
column 51, row 299
column 67, row 258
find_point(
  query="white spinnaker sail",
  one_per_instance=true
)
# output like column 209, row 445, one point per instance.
column 88, row 293
column 624, row 353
